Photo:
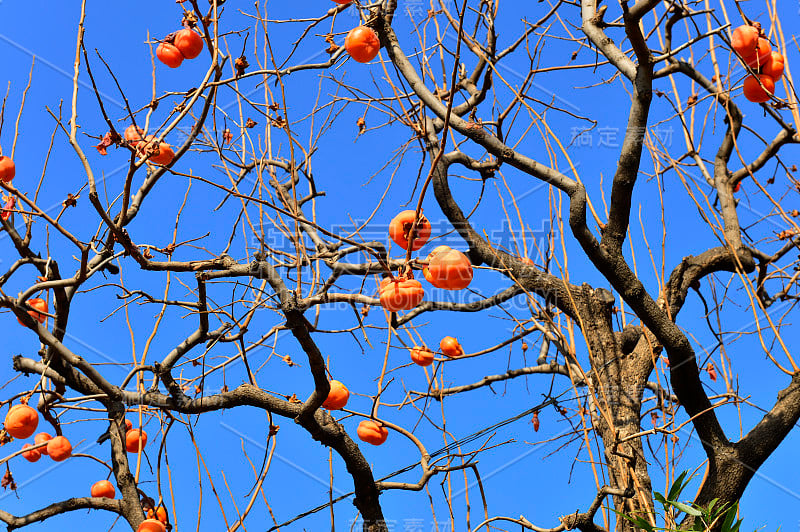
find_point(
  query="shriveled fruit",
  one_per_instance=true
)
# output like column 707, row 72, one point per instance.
column 400, row 230
column 400, row 294
column 372, row 432
column 42, row 437
column 449, row 269
column 151, row 525
column 774, row 66
column 33, row 455
column 188, row 43
column 337, row 397
column 362, row 44
column 744, row 40
column 754, row 91
column 450, row 347
column 40, row 305
column 59, row 448
column 422, row 356
column 128, row 425
column 132, row 440
column 7, row 169
column 103, row 488
column 169, row 55
column 21, row 421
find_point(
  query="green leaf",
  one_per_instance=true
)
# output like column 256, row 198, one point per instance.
column 660, row 498
column 638, row 521
column 685, row 508
column 677, row 486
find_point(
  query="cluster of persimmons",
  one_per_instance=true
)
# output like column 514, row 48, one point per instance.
column 755, row 51
column 21, row 422
column 444, row 268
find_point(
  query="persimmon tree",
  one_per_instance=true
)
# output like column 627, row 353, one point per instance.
column 263, row 238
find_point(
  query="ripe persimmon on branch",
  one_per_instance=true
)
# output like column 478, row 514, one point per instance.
column 345, row 213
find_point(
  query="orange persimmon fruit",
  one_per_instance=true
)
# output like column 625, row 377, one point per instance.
column 774, row 66
column 400, row 294
column 189, row 43
column 337, row 397
column 103, row 488
column 449, row 269
column 169, row 55
column 133, row 135
column 7, row 169
column 372, row 432
column 151, row 525
column 422, row 356
column 744, row 40
column 400, row 229
column 40, row 305
column 362, row 44
column 450, row 347
column 59, row 449
column 132, row 440
column 754, row 91
column 21, row 421
column 33, row 455
column 42, row 437
column 761, row 55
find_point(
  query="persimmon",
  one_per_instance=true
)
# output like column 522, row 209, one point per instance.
column 400, row 229
column 744, row 40
column 450, row 347
column 189, row 43
column 362, row 44
column 7, row 169
column 761, row 55
column 151, row 525
column 400, row 294
column 40, row 305
column 103, row 488
column 132, row 440
column 337, row 397
column 754, row 91
column 33, row 455
column 159, row 154
column 449, row 269
column 429, row 258
column 59, row 449
column 372, row 432
column 134, row 135
column 422, row 356
column 774, row 66
column 21, row 421
column 160, row 513
column 169, row 55
column 42, row 437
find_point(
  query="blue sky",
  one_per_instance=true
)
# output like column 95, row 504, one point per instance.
column 520, row 477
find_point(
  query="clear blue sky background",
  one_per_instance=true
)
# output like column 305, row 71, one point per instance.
column 520, row 478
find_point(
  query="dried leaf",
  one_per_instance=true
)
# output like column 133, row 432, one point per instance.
column 535, row 420
column 241, row 65
column 8, row 481
column 8, row 208
column 250, row 123
column 71, row 201
column 108, row 139
column 712, row 371
column 227, row 136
